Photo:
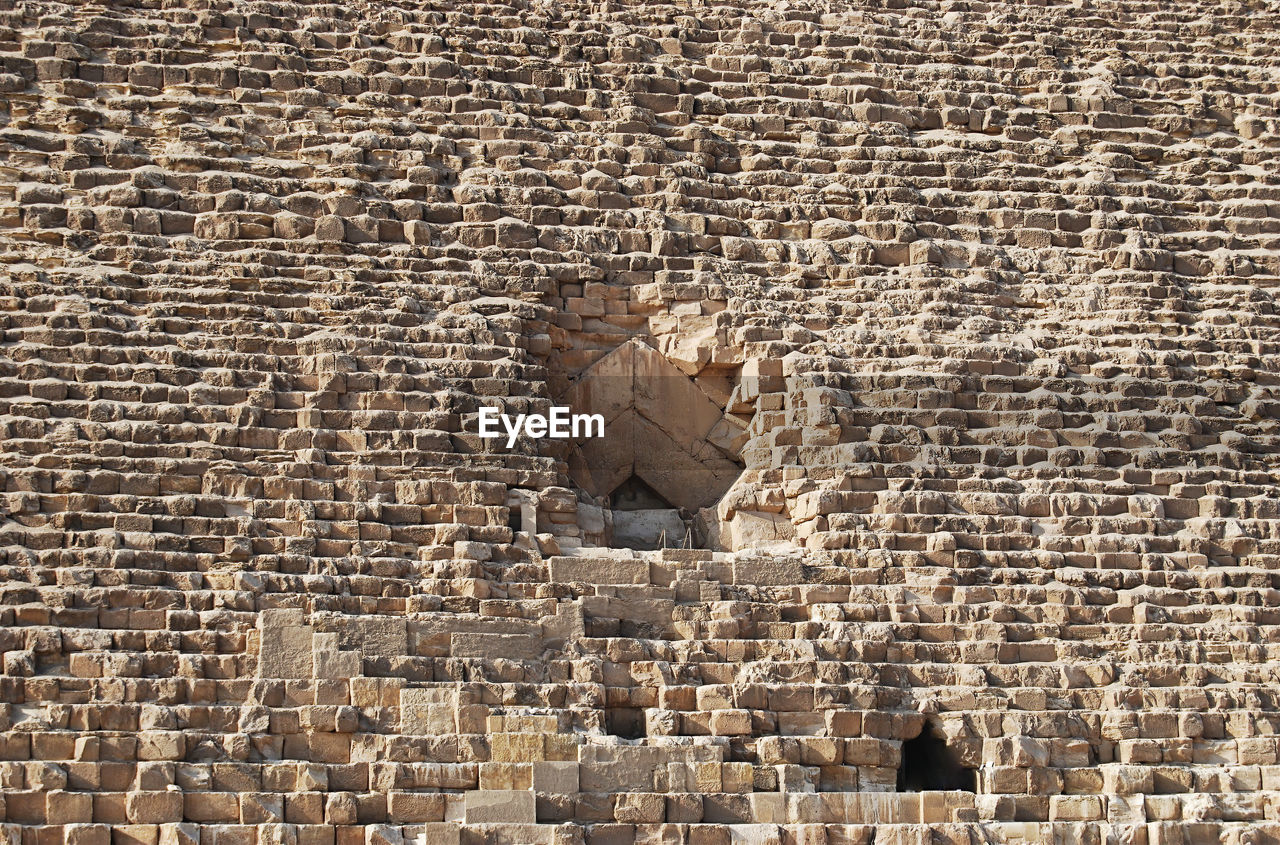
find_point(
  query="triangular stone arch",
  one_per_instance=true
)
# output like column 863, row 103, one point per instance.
column 659, row 426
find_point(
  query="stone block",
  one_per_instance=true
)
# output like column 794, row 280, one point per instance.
column 383, row 834
column 87, row 834
column 517, row 747
column 286, row 651
column 639, row 808
column 1076, row 808
column 161, row 745
column 500, row 807
column 67, row 808
column 436, row 833
column 135, row 834
column 414, row 807
column 1127, row 780
column 731, row 723
column 491, row 646
column 559, row 777
column 374, row 636
column 429, row 712
column 156, row 807
column 277, row 834
column 181, row 833
column 768, row 572
column 599, row 570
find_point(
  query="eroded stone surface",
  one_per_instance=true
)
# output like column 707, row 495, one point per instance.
column 979, row 302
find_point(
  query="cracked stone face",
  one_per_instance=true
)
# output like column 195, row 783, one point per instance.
column 941, row 338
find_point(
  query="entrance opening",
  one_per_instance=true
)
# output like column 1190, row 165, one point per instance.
column 669, row 450
column 625, row 722
column 635, row 495
column 642, row 519
column 928, row 765
column 522, row 517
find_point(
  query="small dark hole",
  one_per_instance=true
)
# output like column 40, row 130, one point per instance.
column 928, row 765
column 636, row 495
column 625, row 722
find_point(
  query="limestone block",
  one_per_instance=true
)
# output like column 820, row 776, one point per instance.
column 737, row 777
column 599, row 570
column 182, row 833
column 154, row 776
column 1126, row 780
column 500, row 807
column 435, row 833
column 135, row 834
column 383, row 834
column 428, row 711
column 373, row 636
column 755, row 834
column 261, row 808
column 63, row 807
column 846, row 723
column 492, row 646
column 162, row 745
column 292, row 226
column 87, row 834
column 337, row 664
column 286, row 646
column 639, row 808
column 1126, row 809
column 341, row 808
column 330, row 228
column 756, row 529
column 559, row 777
column 362, row 228
column 495, row 775
column 1076, row 808
column 154, row 807
column 768, row 807
column 304, row 808
column 517, row 747
column 731, row 723
column 768, row 571
column 277, row 834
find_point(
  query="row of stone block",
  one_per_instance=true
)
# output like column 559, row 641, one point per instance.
column 58, row 807
column 1197, row 832
column 523, row 807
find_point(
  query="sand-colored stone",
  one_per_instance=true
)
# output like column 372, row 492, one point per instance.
column 943, row 336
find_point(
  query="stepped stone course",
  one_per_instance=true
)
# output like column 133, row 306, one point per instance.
column 947, row 329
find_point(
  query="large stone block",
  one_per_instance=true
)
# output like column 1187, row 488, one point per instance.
column 286, row 645
column 428, row 712
column 156, row 807
column 599, row 570
column 559, row 777
column 492, row 646
column 373, row 636
column 501, row 807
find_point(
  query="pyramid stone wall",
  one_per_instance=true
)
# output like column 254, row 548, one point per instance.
column 985, row 296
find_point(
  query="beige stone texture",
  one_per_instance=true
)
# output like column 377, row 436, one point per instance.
column 937, row 349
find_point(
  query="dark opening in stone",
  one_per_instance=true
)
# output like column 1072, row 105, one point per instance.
column 635, row 495
column 643, row 519
column 625, row 722
column 669, row 450
column 928, row 765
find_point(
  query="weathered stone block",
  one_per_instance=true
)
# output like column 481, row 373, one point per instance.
column 156, row 807
column 500, row 807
